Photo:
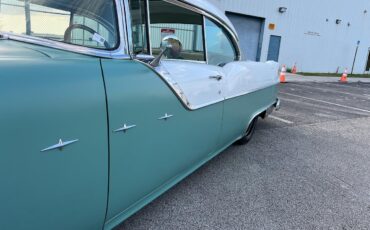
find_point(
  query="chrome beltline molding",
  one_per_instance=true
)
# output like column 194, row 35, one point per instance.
column 172, row 84
column 120, row 53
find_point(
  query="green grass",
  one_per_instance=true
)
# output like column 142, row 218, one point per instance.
column 335, row 75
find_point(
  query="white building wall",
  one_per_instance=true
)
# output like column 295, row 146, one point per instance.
column 316, row 45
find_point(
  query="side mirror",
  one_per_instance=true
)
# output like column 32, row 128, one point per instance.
column 170, row 47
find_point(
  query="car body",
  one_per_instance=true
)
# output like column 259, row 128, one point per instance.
column 95, row 124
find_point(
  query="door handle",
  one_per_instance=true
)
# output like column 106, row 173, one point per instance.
column 217, row 77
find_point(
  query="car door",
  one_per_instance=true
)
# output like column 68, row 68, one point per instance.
column 222, row 53
column 156, row 137
column 54, row 145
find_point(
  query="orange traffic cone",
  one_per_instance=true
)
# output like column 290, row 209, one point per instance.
column 294, row 69
column 343, row 79
column 282, row 74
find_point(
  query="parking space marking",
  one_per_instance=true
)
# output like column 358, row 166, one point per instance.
column 343, row 85
column 366, row 96
column 327, row 102
column 281, row 119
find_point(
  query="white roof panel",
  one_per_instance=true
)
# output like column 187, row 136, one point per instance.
column 213, row 10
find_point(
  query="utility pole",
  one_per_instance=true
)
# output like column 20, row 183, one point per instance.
column 354, row 59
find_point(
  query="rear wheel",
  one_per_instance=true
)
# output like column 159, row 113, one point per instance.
column 249, row 133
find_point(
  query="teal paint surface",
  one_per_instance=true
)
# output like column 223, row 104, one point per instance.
column 155, row 155
column 149, row 155
column 47, row 94
column 44, row 97
column 240, row 111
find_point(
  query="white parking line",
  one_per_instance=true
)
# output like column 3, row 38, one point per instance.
column 281, row 119
column 334, row 91
column 327, row 102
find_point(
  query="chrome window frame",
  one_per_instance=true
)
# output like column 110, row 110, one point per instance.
column 204, row 13
column 233, row 36
column 121, row 52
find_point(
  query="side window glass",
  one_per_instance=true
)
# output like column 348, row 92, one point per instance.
column 83, row 37
column 169, row 19
column 86, row 23
column 220, row 49
column 139, row 26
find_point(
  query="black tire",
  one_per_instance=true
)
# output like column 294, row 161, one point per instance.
column 249, row 133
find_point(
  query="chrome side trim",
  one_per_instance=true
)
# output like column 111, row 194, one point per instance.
column 124, row 128
column 127, row 28
column 148, row 28
column 205, row 39
column 60, row 145
column 4, row 36
column 184, row 60
column 120, row 53
column 176, row 89
column 206, row 104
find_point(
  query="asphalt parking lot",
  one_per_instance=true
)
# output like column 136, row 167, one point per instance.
column 307, row 167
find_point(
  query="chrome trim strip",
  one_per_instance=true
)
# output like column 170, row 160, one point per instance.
column 4, row 36
column 124, row 128
column 184, row 60
column 172, row 85
column 128, row 26
column 144, row 57
column 120, row 53
column 148, row 28
column 60, row 145
column 206, row 104
column 205, row 39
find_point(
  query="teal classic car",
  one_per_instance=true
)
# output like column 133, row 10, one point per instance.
column 106, row 104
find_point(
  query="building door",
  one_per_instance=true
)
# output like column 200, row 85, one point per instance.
column 368, row 62
column 274, row 48
column 250, row 31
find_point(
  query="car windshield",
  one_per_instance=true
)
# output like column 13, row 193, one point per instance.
column 90, row 23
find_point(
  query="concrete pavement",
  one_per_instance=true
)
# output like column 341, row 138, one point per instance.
column 307, row 167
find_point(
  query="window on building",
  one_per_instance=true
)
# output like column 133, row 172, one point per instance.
column 86, row 23
column 220, row 49
column 169, row 19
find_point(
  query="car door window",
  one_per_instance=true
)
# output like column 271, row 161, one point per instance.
column 139, row 26
column 80, row 36
column 220, row 49
column 86, row 23
column 169, row 19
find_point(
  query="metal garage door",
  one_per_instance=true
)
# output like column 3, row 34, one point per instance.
column 250, row 31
